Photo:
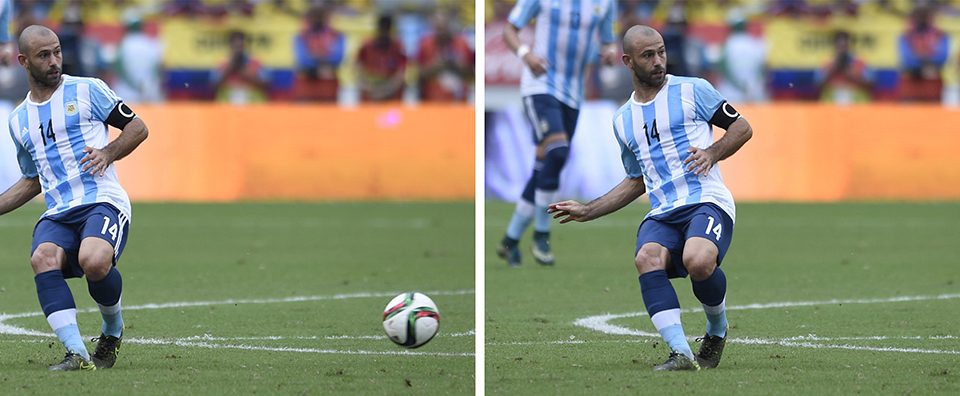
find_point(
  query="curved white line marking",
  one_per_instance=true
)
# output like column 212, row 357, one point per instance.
column 199, row 342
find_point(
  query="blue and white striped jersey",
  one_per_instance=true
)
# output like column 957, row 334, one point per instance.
column 566, row 36
column 654, row 138
column 50, row 138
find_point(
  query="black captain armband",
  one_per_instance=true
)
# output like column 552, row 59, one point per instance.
column 724, row 116
column 120, row 116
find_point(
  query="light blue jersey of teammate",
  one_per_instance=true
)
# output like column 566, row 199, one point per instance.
column 566, row 36
column 654, row 138
column 6, row 14
column 50, row 138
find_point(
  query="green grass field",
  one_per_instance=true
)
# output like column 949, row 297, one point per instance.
column 287, row 299
column 863, row 256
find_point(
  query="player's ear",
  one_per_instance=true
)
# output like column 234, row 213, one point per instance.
column 626, row 60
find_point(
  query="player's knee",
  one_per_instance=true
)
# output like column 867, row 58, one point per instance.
column 700, row 265
column 45, row 258
column 96, row 263
column 553, row 162
column 649, row 259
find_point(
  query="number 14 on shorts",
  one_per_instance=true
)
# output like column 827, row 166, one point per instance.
column 715, row 230
column 112, row 228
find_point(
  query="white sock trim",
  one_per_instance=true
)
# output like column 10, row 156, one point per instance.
column 664, row 319
column 716, row 310
column 111, row 310
column 62, row 318
column 543, row 197
column 524, row 208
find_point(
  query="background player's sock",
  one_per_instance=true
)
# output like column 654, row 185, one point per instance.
column 61, row 311
column 542, row 219
column 522, row 216
column 712, row 294
column 664, row 309
column 106, row 292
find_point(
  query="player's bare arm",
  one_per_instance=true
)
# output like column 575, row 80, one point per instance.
column 702, row 160
column 97, row 160
column 19, row 193
column 511, row 36
column 627, row 191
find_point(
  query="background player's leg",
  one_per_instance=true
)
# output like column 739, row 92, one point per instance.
column 55, row 298
column 554, row 148
column 709, row 282
column 103, row 282
column 660, row 298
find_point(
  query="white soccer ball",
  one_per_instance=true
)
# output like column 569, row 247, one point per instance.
column 411, row 319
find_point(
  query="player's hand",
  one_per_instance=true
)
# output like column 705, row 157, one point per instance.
column 6, row 54
column 610, row 57
column 700, row 161
column 536, row 64
column 96, row 161
column 568, row 211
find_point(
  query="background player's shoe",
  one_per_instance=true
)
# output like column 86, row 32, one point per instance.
column 108, row 347
column 541, row 248
column 678, row 362
column 509, row 253
column 710, row 350
column 73, row 362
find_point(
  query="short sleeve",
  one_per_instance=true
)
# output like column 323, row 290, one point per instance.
column 523, row 12
column 706, row 98
column 102, row 99
column 630, row 164
column 27, row 167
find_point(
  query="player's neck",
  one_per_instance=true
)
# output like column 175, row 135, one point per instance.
column 644, row 93
column 40, row 93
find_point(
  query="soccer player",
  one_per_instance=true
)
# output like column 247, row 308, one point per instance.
column 552, row 89
column 60, row 133
column 666, row 139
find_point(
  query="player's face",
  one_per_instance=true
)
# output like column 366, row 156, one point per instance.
column 649, row 62
column 44, row 62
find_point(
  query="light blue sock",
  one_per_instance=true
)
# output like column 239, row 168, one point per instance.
column 112, row 324
column 69, row 335
column 522, row 216
column 542, row 219
column 676, row 340
column 716, row 319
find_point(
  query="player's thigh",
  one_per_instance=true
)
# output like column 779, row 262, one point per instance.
column 54, row 241
column 545, row 114
column 708, row 236
column 103, row 234
column 663, row 241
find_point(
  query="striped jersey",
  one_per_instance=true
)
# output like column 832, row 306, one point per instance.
column 6, row 15
column 566, row 36
column 50, row 138
column 654, row 138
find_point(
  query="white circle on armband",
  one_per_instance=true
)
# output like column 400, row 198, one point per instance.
column 729, row 111
column 125, row 110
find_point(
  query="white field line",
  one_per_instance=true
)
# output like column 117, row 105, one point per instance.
column 191, row 341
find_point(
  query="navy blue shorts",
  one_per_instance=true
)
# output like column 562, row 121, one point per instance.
column 672, row 229
column 67, row 229
column 547, row 116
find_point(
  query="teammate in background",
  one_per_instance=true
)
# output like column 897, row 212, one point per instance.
column 60, row 133
column 666, row 139
column 6, row 45
column 552, row 89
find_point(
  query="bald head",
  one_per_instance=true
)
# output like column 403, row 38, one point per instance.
column 640, row 36
column 35, row 36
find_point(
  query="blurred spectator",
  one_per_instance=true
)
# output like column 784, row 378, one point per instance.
column 242, row 79
column 923, row 52
column 446, row 62
column 81, row 53
column 318, row 49
column 845, row 79
column 382, row 65
column 6, row 41
column 138, row 63
column 687, row 55
column 742, row 64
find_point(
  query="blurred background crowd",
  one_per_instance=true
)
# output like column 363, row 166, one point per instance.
column 836, row 51
column 252, row 51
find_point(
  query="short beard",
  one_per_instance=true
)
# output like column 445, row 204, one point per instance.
column 43, row 80
column 648, row 80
